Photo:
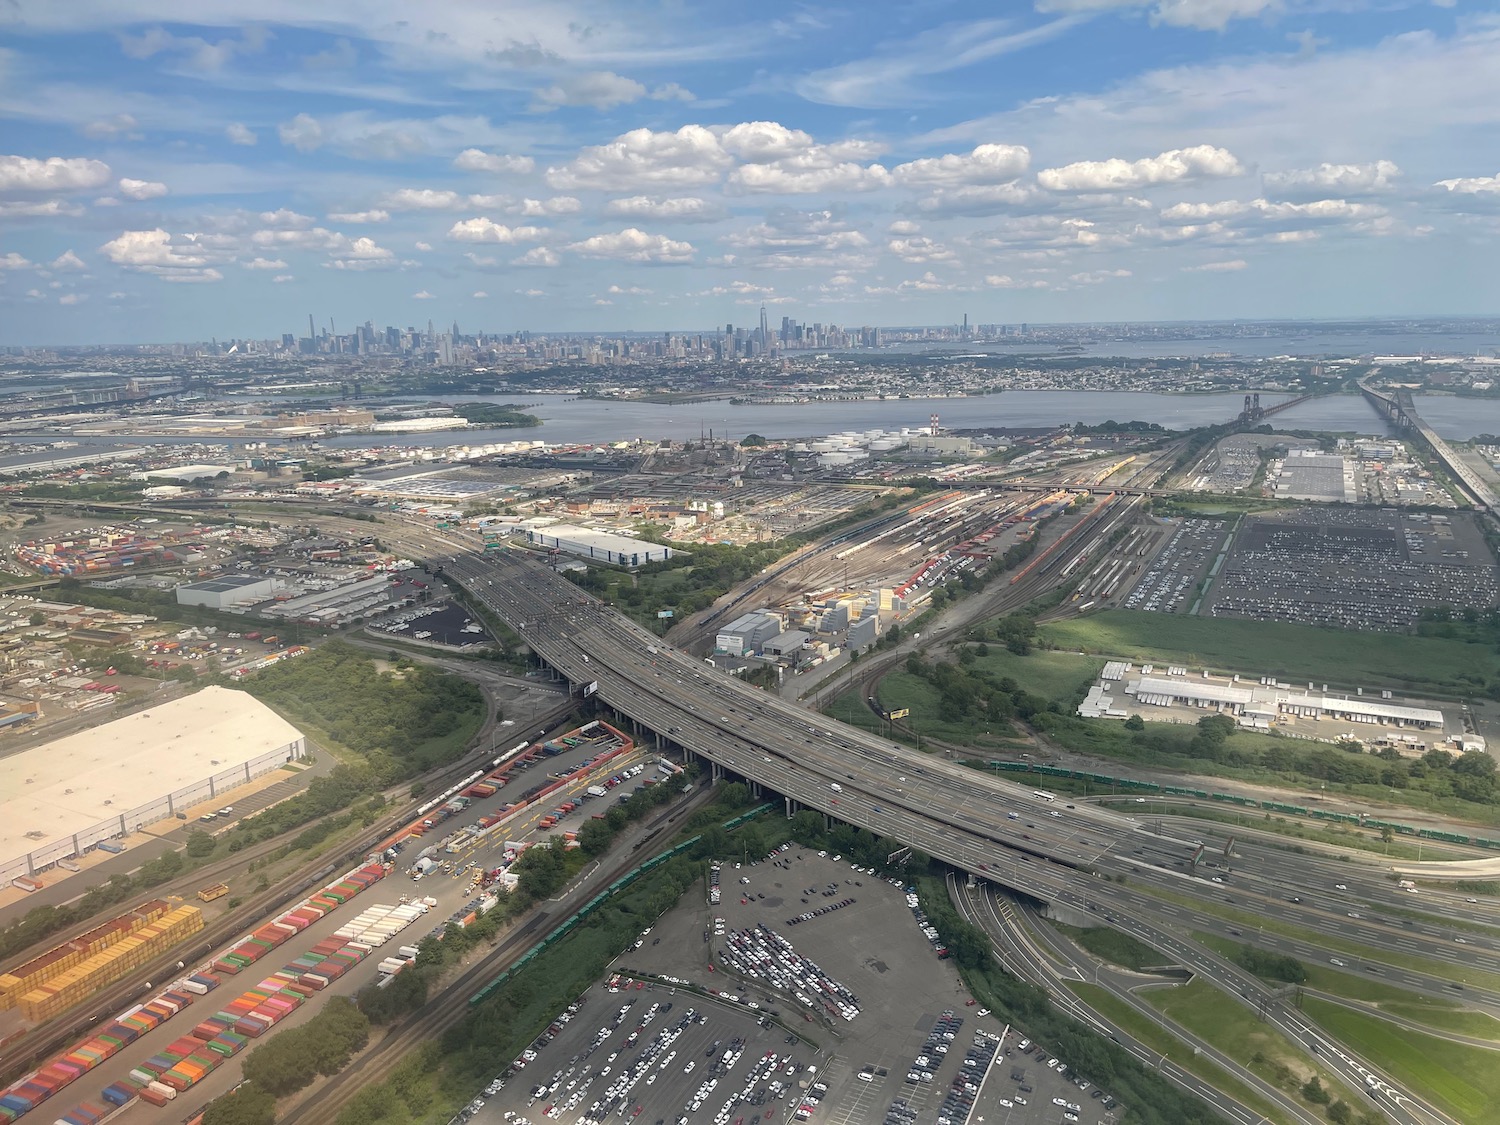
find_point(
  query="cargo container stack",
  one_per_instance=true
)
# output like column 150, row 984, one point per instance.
column 73, row 952
column 110, row 964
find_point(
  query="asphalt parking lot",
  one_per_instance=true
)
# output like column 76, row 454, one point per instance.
column 656, row 1054
column 905, row 1002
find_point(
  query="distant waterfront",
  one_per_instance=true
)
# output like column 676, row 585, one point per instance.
column 568, row 421
column 1310, row 344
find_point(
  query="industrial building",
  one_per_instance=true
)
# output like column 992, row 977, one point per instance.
column 1258, row 705
column 786, row 644
column 1306, row 474
column 343, row 601
column 748, row 632
column 601, row 546
column 230, row 591
column 64, row 797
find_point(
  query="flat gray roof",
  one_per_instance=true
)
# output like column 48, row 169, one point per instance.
column 225, row 584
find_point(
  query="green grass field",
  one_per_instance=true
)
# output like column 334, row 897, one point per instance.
column 1116, row 947
column 1233, row 1029
column 1435, row 1012
column 1163, row 1042
column 1464, row 1080
column 1297, row 652
column 1055, row 675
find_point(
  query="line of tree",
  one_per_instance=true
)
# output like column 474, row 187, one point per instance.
column 1271, row 966
column 291, row 1059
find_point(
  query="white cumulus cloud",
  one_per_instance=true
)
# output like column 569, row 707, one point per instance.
column 538, row 256
column 1115, row 174
column 240, row 134
column 987, row 164
column 423, row 295
column 643, row 158
column 477, row 160
column 372, row 216
column 155, row 252
column 808, row 175
column 68, row 260
column 633, row 245
column 14, row 261
column 142, row 189
column 1472, row 185
column 264, row 264
column 557, row 205
column 687, row 208
column 481, row 229
column 26, row 174
column 422, row 199
column 1344, row 179
column 766, row 142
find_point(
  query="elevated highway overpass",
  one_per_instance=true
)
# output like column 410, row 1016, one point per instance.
column 1402, row 413
column 994, row 829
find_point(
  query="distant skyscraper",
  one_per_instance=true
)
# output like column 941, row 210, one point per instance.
column 765, row 331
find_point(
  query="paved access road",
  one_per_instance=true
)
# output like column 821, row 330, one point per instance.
column 946, row 810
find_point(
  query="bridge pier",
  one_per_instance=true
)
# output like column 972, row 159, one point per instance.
column 790, row 811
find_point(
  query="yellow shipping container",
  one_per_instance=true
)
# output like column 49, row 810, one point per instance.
column 58, row 960
column 110, row 964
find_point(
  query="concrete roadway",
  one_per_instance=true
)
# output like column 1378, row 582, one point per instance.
column 948, row 811
column 1029, row 961
column 951, row 812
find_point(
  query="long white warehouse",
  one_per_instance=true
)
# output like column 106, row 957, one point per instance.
column 64, row 797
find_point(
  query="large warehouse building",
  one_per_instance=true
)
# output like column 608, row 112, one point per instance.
column 604, row 546
column 228, row 591
column 62, row 798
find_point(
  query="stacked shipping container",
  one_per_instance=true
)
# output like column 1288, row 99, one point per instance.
column 110, row 964
column 60, row 958
column 219, row 1036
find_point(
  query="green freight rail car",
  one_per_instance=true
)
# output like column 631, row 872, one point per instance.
column 572, row 923
column 1358, row 820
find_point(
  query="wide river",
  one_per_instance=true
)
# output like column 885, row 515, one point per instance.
column 594, row 420
column 587, row 421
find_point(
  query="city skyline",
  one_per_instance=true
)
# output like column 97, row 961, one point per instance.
column 1076, row 161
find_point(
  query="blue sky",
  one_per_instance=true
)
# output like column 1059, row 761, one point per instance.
column 573, row 165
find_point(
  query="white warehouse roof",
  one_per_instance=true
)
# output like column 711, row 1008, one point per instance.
column 128, row 767
column 1192, row 689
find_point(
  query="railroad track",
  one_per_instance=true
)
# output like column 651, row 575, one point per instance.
column 450, row 1006
column 47, row 1039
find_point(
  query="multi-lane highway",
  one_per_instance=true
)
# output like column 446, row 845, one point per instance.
column 998, row 830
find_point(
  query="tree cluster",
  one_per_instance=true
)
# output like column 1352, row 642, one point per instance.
column 246, row 1105
column 968, row 691
column 393, row 718
column 1271, row 966
column 291, row 1059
